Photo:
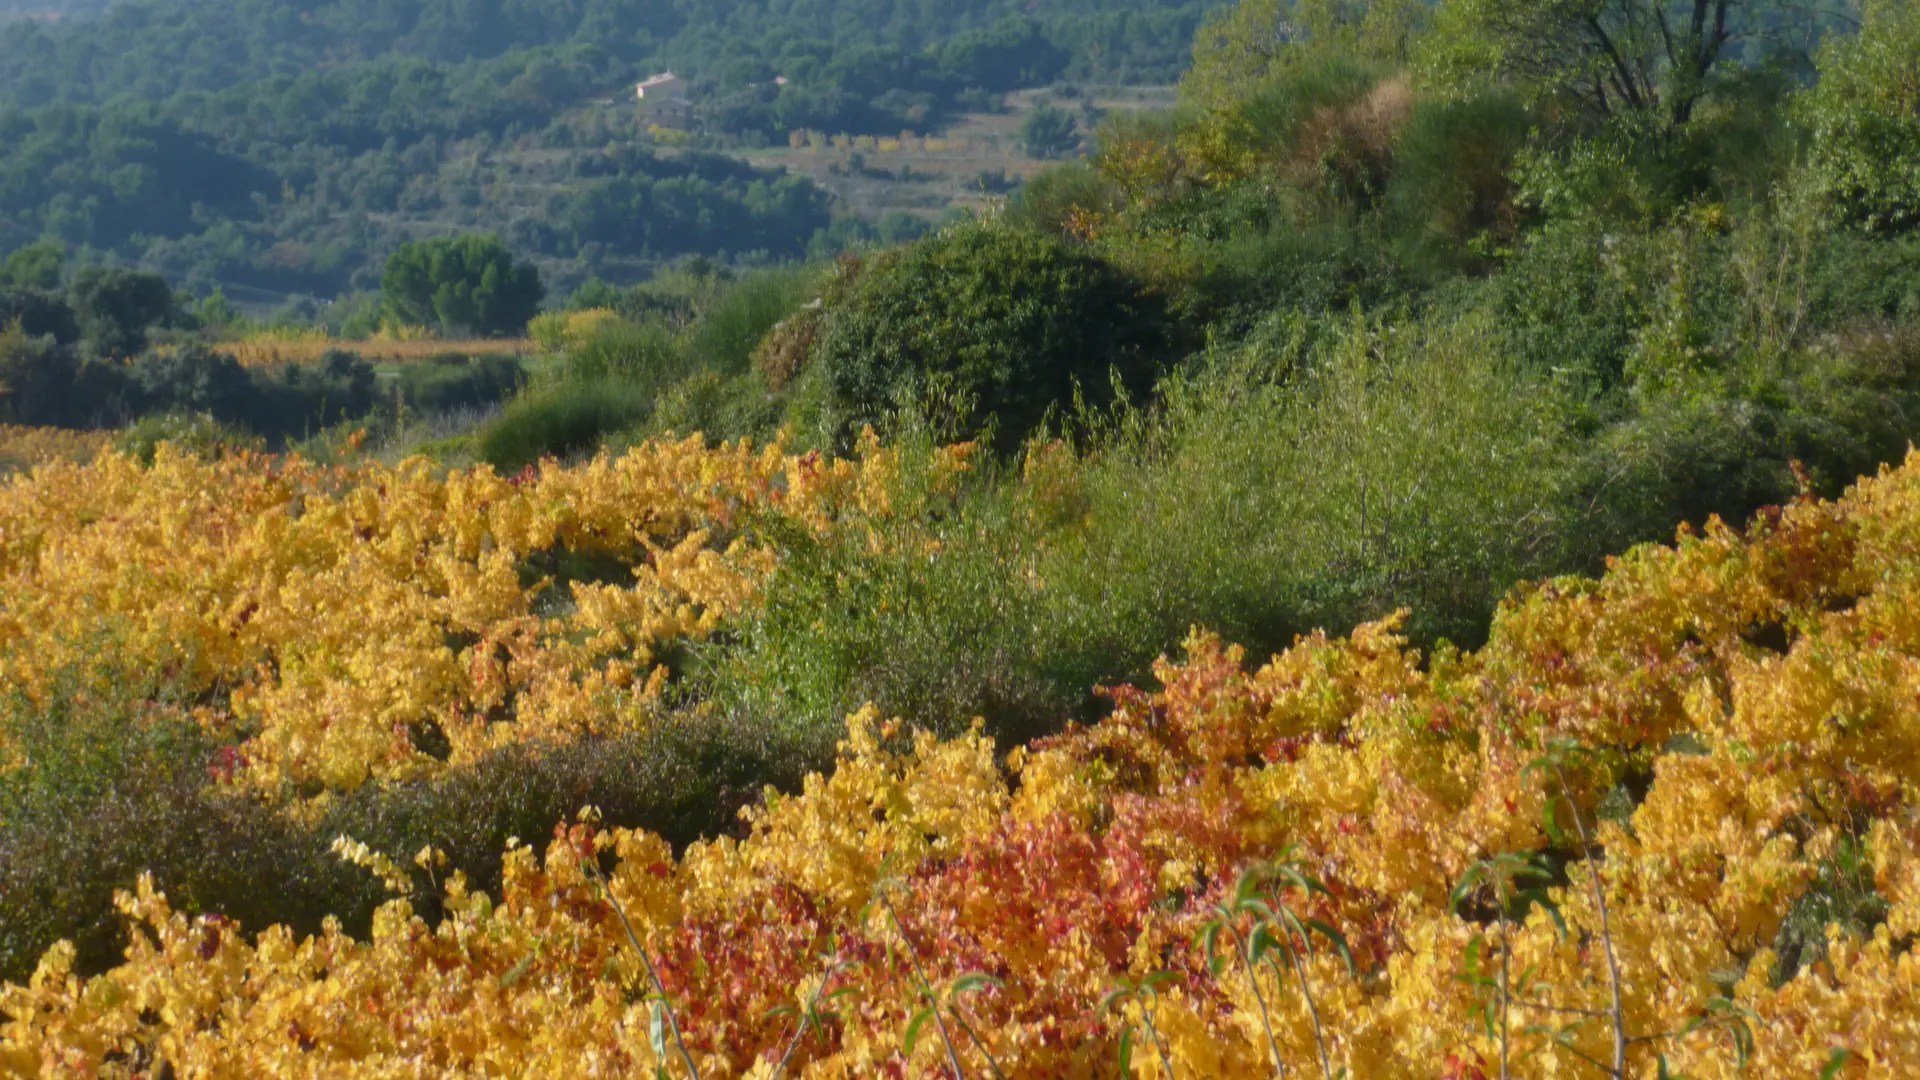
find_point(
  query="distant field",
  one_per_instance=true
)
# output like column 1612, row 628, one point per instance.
column 262, row 353
column 931, row 172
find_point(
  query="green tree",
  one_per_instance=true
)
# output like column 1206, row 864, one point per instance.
column 1864, row 115
column 36, row 378
column 217, row 312
column 467, row 283
column 116, row 307
column 1651, row 59
column 984, row 323
column 36, row 266
column 1048, row 132
column 1243, row 48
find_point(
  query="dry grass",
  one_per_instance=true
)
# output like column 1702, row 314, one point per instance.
column 22, row 448
column 268, row 351
column 945, row 166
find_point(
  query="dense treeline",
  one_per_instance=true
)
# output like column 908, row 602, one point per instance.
column 154, row 49
column 288, row 149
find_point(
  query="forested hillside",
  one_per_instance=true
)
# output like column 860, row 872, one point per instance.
column 287, row 148
column 283, row 150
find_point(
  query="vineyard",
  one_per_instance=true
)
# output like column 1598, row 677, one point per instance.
column 338, row 619
column 1661, row 824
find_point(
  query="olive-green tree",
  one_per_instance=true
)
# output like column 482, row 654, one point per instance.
column 1245, row 47
column 36, row 266
column 116, row 307
column 464, row 283
column 1864, row 115
column 1652, row 60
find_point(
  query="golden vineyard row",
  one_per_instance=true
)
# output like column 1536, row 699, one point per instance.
column 342, row 614
column 1567, row 854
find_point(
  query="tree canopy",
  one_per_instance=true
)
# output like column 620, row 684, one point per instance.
column 1650, row 59
column 466, row 283
column 1864, row 115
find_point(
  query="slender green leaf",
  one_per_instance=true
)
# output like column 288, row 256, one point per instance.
column 914, row 1025
column 974, row 982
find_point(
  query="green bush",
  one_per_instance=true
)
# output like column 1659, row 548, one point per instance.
column 725, row 408
column 1268, row 265
column 39, row 313
column 197, row 433
column 1729, row 442
column 116, row 307
column 1269, row 124
column 724, row 335
column 642, row 350
column 1570, row 305
column 1452, row 183
column 119, row 786
column 1046, row 202
column 1853, row 278
column 562, row 420
column 1273, row 492
column 1007, row 323
column 452, row 381
column 464, row 283
column 1048, row 132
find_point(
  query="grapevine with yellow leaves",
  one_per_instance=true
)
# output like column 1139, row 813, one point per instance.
column 342, row 621
column 1350, row 861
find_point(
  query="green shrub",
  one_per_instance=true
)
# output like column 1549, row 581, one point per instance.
column 452, row 381
column 1269, row 265
column 726, row 408
column 116, row 307
column 1272, row 492
column 37, row 376
column 1852, row 278
column 119, row 786
column 723, row 337
column 196, row 433
column 467, row 283
column 562, row 420
column 1452, row 183
column 1046, row 202
column 1570, row 305
column 1048, row 132
column 39, row 313
column 1009, row 322
column 1269, row 128
column 1728, row 443
column 642, row 351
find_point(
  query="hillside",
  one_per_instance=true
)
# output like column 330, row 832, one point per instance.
column 277, row 151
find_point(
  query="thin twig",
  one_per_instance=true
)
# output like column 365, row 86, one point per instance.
column 1313, row 1010
column 978, row 1043
column 946, row 1038
column 800, row 1032
column 653, row 975
column 1153, row 1035
column 1618, row 1012
column 1593, row 1014
column 1506, row 992
column 1253, row 976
